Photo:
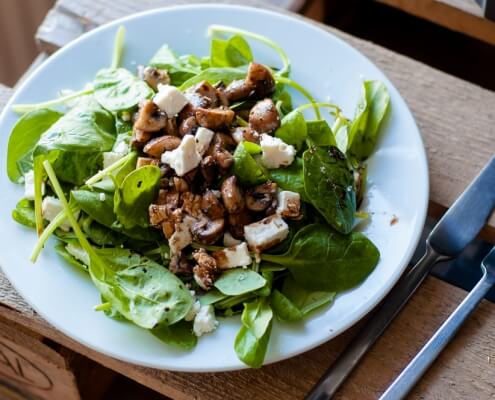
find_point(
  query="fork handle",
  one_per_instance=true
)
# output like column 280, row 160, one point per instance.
column 420, row 364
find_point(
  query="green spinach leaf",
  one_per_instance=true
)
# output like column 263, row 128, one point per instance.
column 180, row 69
column 239, row 281
column 24, row 213
column 305, row 300
column 213, row 75
column 283, row 308
column 324, row 260
column 23, row 139
column 179, row 335
column 116, row 89
column 252, row 339
column 290, row 178
column 245, row 167
column 135, row 194
column 320, row 133
column 62, row 251
column 371, row 110
column 232, row 52
column 293, row 129
column 329, row 183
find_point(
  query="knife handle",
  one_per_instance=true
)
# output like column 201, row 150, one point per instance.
column 379, row 321
column 420, row 364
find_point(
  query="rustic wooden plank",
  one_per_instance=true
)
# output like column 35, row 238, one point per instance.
column 456, row 118
column 32, row 369
column 448, row 14
column 471, row 352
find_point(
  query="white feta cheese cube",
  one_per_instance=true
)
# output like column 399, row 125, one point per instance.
column 51, row 207
column 275, row 152
column 193, row 311
column 110, row 158
column 102, row 196
column 29, row 185
column 78, row 253
column 229, row 240
column 289, row 204
column 122, row 148
column 184, row 158
column 266, row 233
column 170, row 99
column 205, row 321
column 232, row 257
column 182, row 236
column 203, row 138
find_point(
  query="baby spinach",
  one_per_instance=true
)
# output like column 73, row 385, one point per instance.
column 134, row 195
column 329, row 183
column 75, row 142
column 293, row 129
column 282, row 99
column 211, row 297
column 213, row 75
column 290, row 178
column 305, row 300
column 252, row 339
column 180, row 69
column 24, row 213
column 143, row 291
column 62, row 251
column 245, row 167
column 179, row 335
column 283, row 308
column 320, row 133
column 371, row 109
column 23, row 139
column 232, row 52
column 116, row 89
column 100, row 234
column 238, row 281
column 321, row 259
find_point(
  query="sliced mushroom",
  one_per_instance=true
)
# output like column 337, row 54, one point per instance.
column 188, row 126
column 232, row 195
column 223, row 158
column 150, row 118
column 205, row 89
column 222, row 96
column 169, row 198
column 264, row 117
column 237, row 223
column 261, row 79
column 156, row 146
column 180, row 265
column 260, row 197
column 208, row 169
column 143, row 161
column 238, row 90
column 180, row 184
column 207, row 231
column 171, row 127
column 242, row 133
column 206, row 271
column 154, row 76
column 224, row 141
column 191, row 204
column 215, row 118
column 157, row 214
column 139, row 137
column 212, row 206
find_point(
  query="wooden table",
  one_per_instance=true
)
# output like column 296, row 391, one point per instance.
column 457, row 121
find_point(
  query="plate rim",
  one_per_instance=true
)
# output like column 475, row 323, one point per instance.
column 371, row 302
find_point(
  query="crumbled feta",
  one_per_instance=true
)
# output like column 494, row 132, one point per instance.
column 184, row 158
column 275, row 152
column 122, row 148
column 29, row 186
column 266, row 233
column 193, row 311
column 289, row 204
column 111, row 157
column 182, row 236
column 238, row 136
column 229, row 240
column 203, row 138
column 51, row 207
column 205, row 321
column 170, row 99
column 102, row 196
column 78, row 253
column 232, row 257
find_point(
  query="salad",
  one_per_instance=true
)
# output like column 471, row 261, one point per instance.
column 193, row 189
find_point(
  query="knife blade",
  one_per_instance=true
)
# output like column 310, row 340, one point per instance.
column 456, row 229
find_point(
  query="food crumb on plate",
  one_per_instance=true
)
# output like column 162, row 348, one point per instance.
column 394, row 220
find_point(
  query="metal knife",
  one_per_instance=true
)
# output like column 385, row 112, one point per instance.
column 455, row 230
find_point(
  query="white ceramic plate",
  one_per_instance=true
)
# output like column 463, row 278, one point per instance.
column 327, row 67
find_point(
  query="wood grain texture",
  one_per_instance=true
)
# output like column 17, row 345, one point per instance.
column 447, row 13
column 466, row 367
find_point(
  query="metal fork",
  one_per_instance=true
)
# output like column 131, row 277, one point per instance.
column 420, row 364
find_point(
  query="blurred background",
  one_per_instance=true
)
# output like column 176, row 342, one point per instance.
column 450, row 35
